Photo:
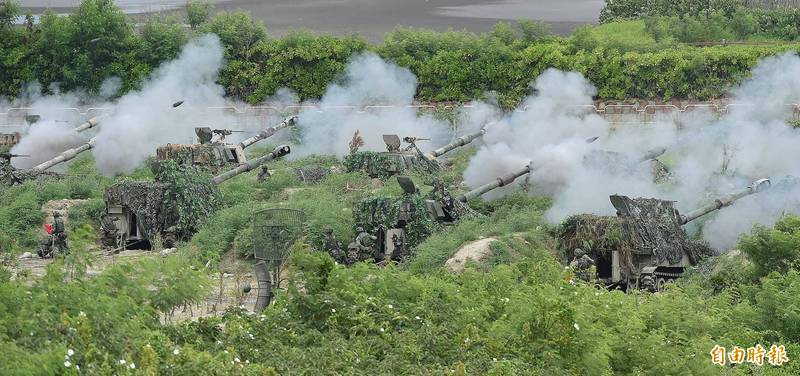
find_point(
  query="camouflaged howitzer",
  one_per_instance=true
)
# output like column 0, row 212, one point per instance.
column 394, row 226
column 645, row 245
column 144, row 209
column 215, row 156
column 396, row 161
column 9, row 175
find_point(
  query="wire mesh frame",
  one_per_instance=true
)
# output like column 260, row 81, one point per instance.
column 274, row 232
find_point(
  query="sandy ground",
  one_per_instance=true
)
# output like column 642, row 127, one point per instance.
column 373, row 18
column 476, row 251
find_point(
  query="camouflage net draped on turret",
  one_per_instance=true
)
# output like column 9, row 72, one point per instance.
column 364, row 160
column 182, row 196
column 653, row 227
column 381, row 213
column 147, row 201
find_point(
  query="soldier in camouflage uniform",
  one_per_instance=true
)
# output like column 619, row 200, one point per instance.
column 361, row 248
column 108, row 227
column 332, row 246
column 59, row 235
column 580, row 265
column 264, row 174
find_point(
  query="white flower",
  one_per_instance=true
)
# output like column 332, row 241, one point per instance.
column 177, row 351
column 575, row 325
column 597, row 294
column 494, row 359
column 391, row 306
column 132, row 366
column 122, row 361
column 70, row 352
column 333, row 310
column 417, row 317
column 67, row 363
column 82, row 314
column 382, row 329
column 226, row 351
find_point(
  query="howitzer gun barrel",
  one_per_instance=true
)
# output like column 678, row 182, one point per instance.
column 461, row 141
column 91, row 123
column 280, row 151
column 653, row 154
column 726, row 200
column 500, row 181
column 65, row 156
column 289, row 121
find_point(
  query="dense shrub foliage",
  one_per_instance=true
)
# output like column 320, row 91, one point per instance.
column 84, row 50
column 709, row 20
column 519, row 317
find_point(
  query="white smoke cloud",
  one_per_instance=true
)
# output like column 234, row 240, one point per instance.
column 368, row 80
column 143, row 120
column 52, row 133
column 753, row 141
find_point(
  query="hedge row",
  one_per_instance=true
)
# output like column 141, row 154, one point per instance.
column 80, row 51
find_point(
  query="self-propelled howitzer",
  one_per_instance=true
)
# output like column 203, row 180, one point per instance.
column 269, row 132
column 645, row 245
column 138, row 211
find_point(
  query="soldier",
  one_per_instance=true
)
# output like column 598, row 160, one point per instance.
column 264, row 174
column 581, row 264
column 169, row 237
column 108, row 227
column 59, row 234
column 332, row 246
column 362, row 247
column 399, row 247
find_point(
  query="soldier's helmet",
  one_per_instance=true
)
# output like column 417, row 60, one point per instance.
column 56, row 214
column 328, row 229
column 359, row 229
column 579, row 252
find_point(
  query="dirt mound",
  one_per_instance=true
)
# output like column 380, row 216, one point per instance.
column 476, row 251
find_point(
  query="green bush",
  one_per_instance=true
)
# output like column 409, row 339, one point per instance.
column 774, row 249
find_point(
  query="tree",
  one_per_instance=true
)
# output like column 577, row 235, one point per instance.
column 237, row 32
column 198, row 12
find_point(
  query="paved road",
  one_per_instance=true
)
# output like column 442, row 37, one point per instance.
column 373, row 18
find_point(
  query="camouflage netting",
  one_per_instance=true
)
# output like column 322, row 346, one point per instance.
column 183, row 196
column 311, row 174
column 381, row 213
column 657, row 227
column 146, row 200
column 644, row 226
column 191, row 192
column 362, row 160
